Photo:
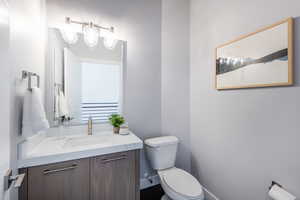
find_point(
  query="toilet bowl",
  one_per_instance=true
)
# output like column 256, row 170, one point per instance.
column 176, row 183
column 180, row 185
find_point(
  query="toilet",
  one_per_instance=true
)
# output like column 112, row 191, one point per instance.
column 177, row 183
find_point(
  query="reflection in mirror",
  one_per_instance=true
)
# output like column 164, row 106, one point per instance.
column 83, row 82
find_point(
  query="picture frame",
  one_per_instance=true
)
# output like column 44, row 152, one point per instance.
column 263, row 58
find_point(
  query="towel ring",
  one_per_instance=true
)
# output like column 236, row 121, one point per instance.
column 29, row 75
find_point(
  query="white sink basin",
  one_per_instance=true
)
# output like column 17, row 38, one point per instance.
column 86, row 141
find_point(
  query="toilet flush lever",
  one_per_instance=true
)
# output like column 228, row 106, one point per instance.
column 9, row 179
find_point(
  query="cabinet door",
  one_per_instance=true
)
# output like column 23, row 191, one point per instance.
column 61, row 181
column 115, row 176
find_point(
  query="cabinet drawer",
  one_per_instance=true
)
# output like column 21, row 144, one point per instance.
column 61, row 181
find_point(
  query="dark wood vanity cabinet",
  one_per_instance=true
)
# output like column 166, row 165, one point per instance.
column 107, row 177
column 61, row 181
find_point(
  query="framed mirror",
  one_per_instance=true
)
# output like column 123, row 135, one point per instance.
column 83, row 82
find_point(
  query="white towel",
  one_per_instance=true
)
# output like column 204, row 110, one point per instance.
column 63, row 105
column 34, row 116
column 56, row 105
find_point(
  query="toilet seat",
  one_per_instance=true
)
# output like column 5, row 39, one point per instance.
column 180, row 185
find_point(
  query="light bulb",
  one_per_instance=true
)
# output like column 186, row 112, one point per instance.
column 69, row 34
column 109, row 39
column 91, row 35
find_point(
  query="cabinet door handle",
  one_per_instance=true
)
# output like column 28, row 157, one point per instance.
column 48, row 171
column 107, row 160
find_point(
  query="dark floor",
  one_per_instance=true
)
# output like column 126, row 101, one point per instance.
column 152, row 193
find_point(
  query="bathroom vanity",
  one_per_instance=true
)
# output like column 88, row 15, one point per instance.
column 83, row 84
column 99, row 167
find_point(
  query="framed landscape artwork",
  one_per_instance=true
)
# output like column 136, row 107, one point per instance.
column 260, row 59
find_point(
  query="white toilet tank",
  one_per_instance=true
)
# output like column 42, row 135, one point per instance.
column 161, row 151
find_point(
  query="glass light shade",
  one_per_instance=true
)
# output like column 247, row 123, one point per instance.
column 69, row 34
column 91, row 36
column 109, row 39
column 110, row 43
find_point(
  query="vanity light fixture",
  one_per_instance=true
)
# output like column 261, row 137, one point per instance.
column 91, row 33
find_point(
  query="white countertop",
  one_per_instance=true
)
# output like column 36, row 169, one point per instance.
column 46, row 150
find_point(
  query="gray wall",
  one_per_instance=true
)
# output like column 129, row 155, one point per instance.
column 138, row 23
column 242, row 139
column 175, row 76
column 4, row 97
column 27, row 51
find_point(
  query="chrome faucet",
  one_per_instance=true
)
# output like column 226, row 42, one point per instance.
column 90, row 126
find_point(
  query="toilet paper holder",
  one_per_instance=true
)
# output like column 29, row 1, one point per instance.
column 278, row 192
column 275, row 183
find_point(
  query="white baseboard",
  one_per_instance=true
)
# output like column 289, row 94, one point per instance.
column 145, row 182
column 209, row 195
